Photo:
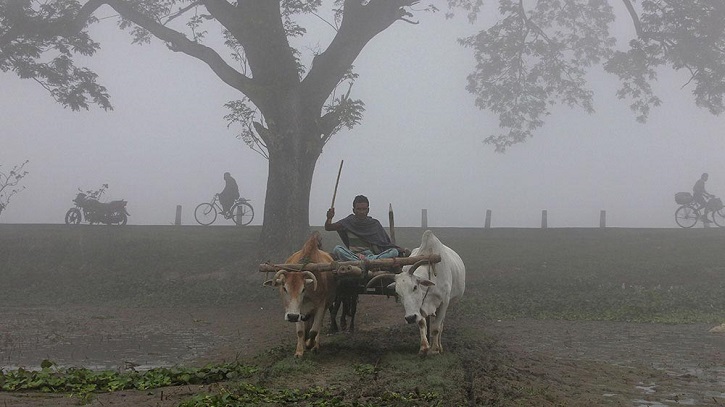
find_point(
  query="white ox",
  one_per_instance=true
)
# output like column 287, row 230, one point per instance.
column 429, row 289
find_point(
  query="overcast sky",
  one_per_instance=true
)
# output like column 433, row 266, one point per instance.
column 419, row 146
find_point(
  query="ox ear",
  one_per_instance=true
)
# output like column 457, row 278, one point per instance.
column 275, row 282
column 309, row 281
column 426, row 283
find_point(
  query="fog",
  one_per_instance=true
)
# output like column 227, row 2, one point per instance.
column 420, row 145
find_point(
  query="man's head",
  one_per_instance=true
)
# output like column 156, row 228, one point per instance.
column 704, row 176
column 360, row 206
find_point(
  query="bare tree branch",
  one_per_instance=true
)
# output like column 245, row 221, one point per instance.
column 180, row 43
column 257, row 27
column 635, row 18
column 182, row 11
column 360, row 23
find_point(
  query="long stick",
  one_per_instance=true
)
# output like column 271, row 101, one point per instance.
column 334, row 194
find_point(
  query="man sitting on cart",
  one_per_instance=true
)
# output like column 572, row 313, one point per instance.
column 364, row 237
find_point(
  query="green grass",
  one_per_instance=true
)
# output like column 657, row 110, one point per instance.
column 82, row 382
column 352, row 371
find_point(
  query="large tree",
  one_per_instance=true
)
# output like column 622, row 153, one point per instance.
column 537, row 54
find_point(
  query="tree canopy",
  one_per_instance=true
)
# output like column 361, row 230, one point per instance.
column 533, row 56
column 538, row 55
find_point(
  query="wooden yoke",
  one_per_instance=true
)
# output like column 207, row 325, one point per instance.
column 350, row 267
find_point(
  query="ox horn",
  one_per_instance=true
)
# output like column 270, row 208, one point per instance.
column 309, row 274
column 378, row 277
column 278, row 274
column 273, row 281
column 416, row 265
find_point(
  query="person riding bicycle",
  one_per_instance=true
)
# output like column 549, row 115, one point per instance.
column 700, row 195
column 364, row 237
column 229, row 194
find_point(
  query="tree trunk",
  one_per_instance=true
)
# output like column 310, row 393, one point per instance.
column 294, row 147
column 286, row 209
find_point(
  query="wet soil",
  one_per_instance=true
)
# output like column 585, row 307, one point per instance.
column 677, row 364
column 594, row 363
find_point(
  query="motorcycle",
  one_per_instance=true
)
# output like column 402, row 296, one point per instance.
column 88, row 207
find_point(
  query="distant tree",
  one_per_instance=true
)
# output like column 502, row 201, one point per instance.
column 9, row 183
column 536, row 55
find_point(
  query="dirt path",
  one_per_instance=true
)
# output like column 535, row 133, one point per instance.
column 690, row 358
column 689, row 362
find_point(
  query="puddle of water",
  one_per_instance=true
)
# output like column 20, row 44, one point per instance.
column 647, row 389
column 714, row 395
column 646, row 403
column 684, row 402
column 122, row 352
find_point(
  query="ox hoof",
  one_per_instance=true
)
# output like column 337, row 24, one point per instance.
column 423, row 352
column 298, row 355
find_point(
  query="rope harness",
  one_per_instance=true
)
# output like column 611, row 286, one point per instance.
column 430, row 275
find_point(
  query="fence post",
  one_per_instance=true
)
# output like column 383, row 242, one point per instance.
column 178, row 215
column 488, row 219
column 424, row 218
column 543, row 219
column 603, row 219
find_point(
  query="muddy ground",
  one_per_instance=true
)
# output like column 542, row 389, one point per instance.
column 594, row 363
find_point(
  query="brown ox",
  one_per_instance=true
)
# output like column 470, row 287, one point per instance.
column 306, row 295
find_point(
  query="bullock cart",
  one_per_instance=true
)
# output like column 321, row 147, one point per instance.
column 361, row 274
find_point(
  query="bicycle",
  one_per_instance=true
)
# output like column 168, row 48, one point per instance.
column 718, row 211
column 241, row 212
column 688, row 213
